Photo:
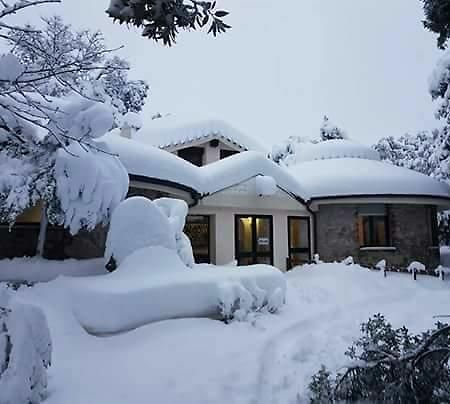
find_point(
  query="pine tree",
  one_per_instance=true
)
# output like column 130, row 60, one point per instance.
column 437, row 19
column 329, row 131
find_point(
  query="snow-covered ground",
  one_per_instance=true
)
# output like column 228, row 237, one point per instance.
column 267, row 360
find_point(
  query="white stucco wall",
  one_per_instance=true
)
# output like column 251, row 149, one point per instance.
column 242, row 200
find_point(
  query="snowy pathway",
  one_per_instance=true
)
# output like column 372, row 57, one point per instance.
column 198, row 361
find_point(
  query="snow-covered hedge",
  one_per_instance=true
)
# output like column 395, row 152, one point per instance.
column 139, row 222
column 153, row 284
column 25, row 352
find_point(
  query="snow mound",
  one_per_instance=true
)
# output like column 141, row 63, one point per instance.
column 416, row 266
column 333, row 149
column 176, row 210
column 25, row 354
column 153, row 284
column 265, row 185
column 136, row 223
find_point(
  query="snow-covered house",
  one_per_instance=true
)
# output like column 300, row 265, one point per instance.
column 335, row 198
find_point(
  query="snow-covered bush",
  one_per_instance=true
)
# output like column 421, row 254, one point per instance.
column 391, row 366
column 237, row 301
column 25, row 353
column 329, row 131
column 415, row 268
column 176, row 210
column 348, row 261
column 137, row 223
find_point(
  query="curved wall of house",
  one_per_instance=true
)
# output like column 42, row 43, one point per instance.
column 411, row 231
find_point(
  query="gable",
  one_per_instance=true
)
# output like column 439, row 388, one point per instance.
column 248, row 195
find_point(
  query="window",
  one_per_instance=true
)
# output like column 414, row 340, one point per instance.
column 299, row 241
column 373, row 227
column 192, row 154
column 197, row 229
column 434, row 227
column 227, row 153
column 254, row 240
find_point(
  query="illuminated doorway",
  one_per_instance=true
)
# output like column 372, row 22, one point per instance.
column 254, row 239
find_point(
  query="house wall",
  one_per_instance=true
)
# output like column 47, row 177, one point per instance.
column 223, row 236
column 410, row 231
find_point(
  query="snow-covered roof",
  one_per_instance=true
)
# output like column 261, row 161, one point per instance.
column 331, row 149
column 153, row 163
column 320, row 177
column 343, row 177
column 171, row 132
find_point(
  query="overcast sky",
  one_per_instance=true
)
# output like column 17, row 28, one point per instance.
column 285, row 64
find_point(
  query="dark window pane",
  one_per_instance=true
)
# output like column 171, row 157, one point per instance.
column 298, row 259
column 197, row 229
column 264, row 260
column 245, row 261
column 245, row 234
column 227, row 153
column 373, row 231
column 263, row 235
column 192, row 154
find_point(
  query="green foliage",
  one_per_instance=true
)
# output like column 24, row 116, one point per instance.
column 162, row 19
column 392, row 366
column 437, row 19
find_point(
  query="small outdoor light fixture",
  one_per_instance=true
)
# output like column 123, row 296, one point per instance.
column 214, row 143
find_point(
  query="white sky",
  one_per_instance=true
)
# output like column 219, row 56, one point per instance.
column 285, row 64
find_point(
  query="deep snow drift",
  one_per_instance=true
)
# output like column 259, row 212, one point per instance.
column 268, row 359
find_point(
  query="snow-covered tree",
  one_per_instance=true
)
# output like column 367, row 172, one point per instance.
column 425, row 152
column 161, row 20
column 329, row 131
column 49, row 143
column 101, row 77
column 437, row 19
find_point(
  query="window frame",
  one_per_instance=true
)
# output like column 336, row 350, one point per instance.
column 254, row 254
column 363, row 243
column 298, row 250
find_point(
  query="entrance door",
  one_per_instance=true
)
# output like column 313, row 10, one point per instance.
column 299, row 241
column 197, row 229
column 254, row 239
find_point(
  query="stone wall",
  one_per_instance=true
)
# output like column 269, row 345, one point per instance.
column 410, row 232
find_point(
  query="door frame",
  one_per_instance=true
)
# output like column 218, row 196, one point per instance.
column 254, row 254
column 299, row 250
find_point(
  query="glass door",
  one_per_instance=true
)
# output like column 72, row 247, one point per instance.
column 254, row 239
column 197, row 229
column 299, row 241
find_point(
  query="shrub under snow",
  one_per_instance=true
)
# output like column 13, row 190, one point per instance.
column 25, row 353
column 139, row 222
column 391, row 366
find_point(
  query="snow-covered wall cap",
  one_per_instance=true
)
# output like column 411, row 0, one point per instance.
column 344, row 177
column 171, row 132
column 334, row 149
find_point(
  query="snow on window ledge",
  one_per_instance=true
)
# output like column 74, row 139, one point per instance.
column 386, row 248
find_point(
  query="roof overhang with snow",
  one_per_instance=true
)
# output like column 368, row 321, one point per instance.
column 171, row 134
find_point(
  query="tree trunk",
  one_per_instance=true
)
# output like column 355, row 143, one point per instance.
column 42, row 231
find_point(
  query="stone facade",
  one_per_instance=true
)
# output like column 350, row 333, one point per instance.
column 411, row 236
